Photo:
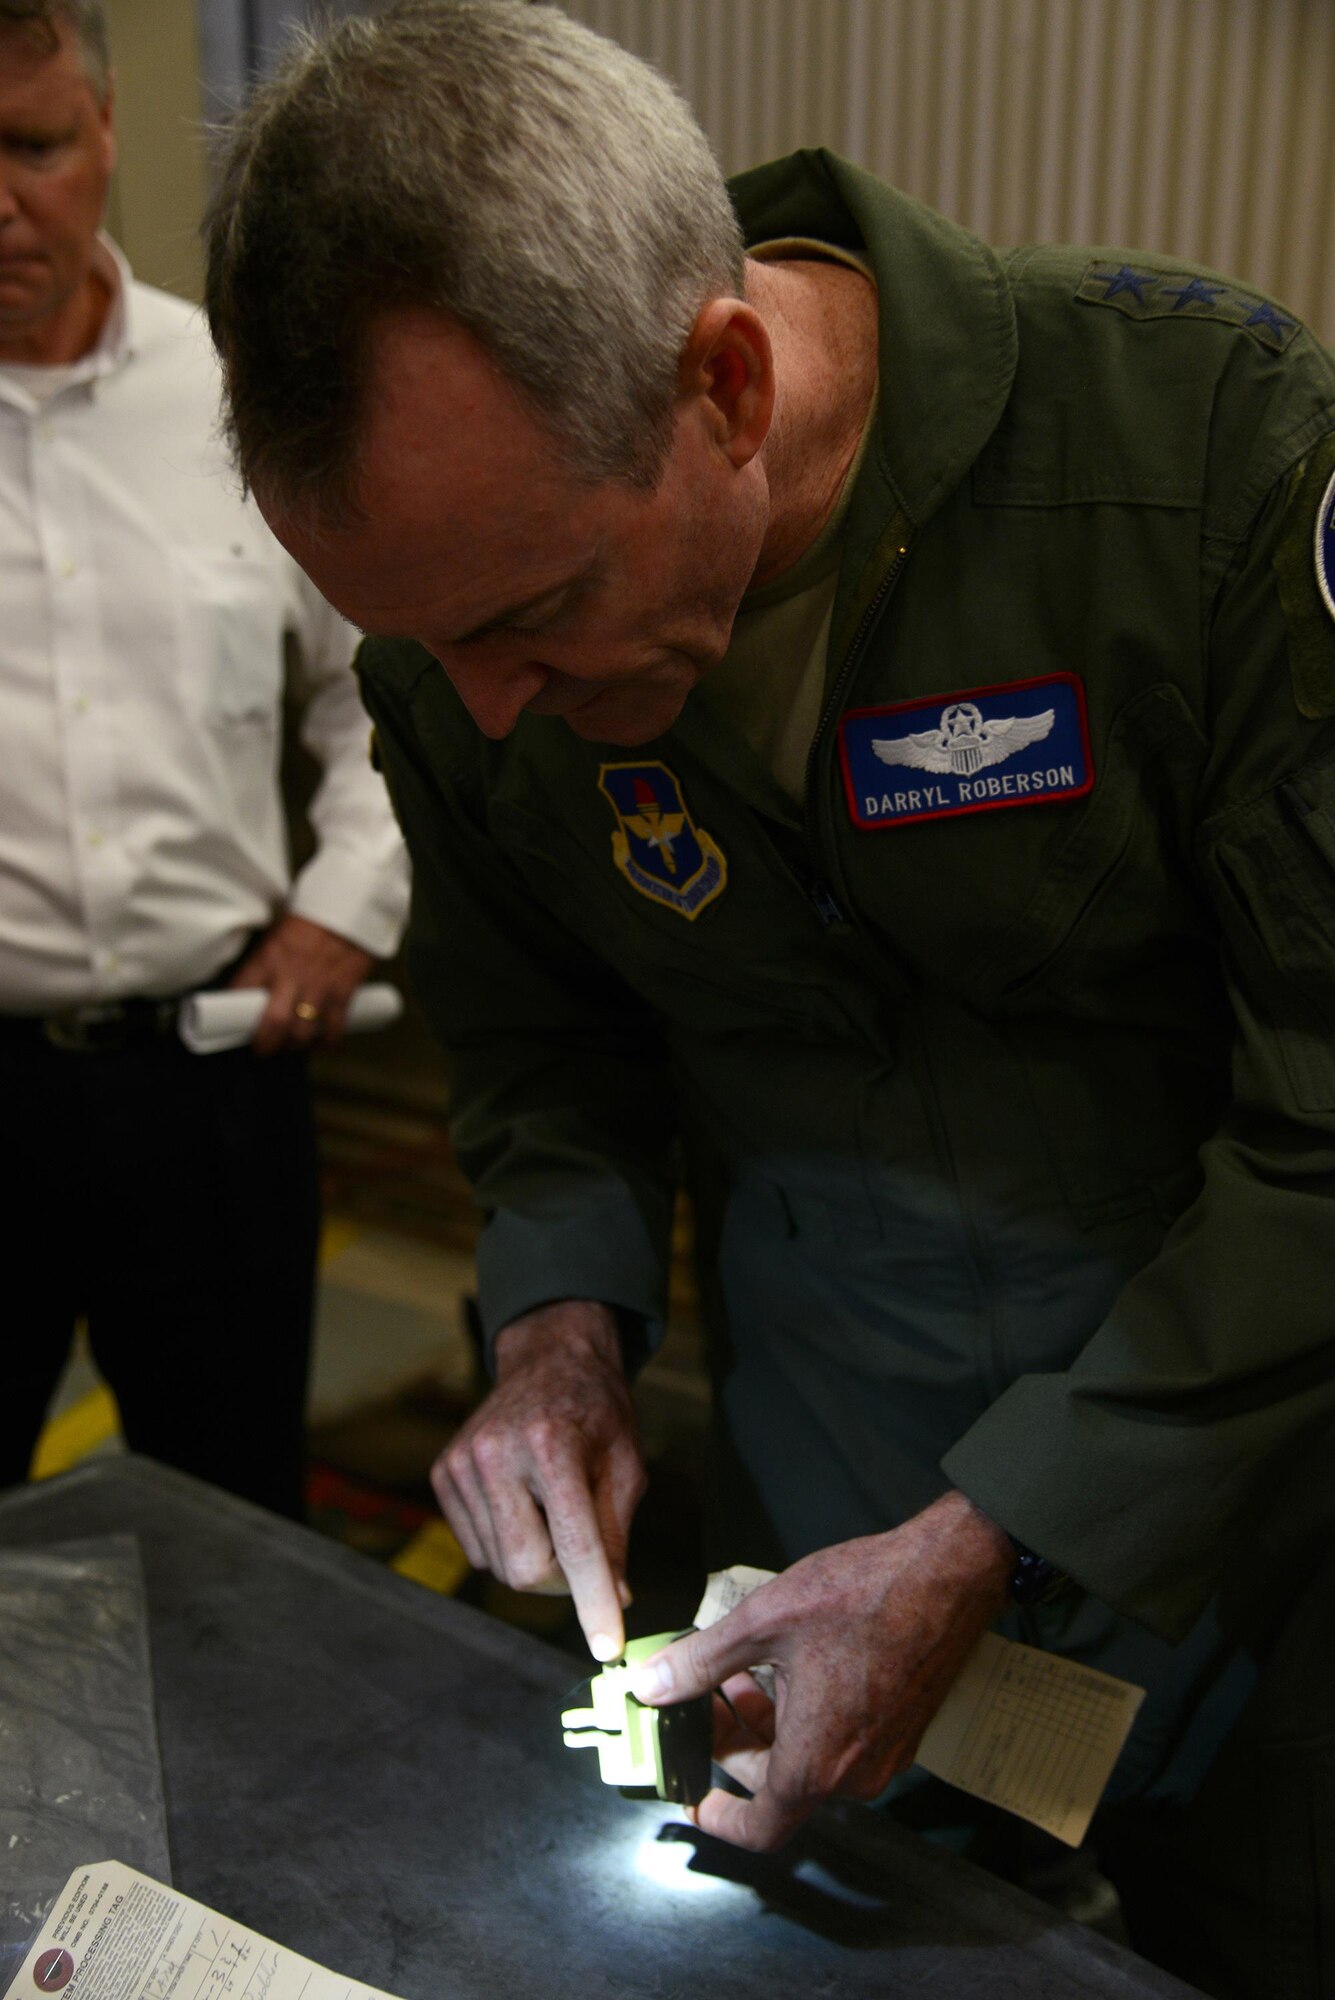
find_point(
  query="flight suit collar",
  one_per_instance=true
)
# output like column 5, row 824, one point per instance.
column 947, row 325
column 947, row 349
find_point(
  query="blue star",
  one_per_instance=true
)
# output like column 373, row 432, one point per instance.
column 1265, row 315
column 1127, row 280
column 1194, row 292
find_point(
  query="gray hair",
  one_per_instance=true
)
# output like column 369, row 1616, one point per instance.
column 88, row 20
column 487, row 159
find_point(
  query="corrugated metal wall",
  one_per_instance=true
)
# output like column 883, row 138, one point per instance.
column 1203, row 128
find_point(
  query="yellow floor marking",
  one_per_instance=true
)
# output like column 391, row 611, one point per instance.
column 76, row 1432
column 88, row 1423
column 337, row 1236
column 433, row 1558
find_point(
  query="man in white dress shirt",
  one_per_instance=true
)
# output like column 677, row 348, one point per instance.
column 145, row 612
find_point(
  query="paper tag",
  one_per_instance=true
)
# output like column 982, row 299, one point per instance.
column 725, row 1590
column 1027, row 1730
column 115, row 1934
column 1032, row 1732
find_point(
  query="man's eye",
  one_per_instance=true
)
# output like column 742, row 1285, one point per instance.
column 32, row 149
column 526, row 624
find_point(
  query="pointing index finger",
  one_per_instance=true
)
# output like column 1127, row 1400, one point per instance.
column 578, row 1546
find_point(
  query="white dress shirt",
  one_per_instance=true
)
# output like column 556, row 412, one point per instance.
column 144, row 614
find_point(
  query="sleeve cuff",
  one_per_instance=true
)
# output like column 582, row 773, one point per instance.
column 368, row 905
column 1058, row 1475
column 607, row 1253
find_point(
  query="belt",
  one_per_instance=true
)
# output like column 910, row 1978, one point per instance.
column 99, row 1029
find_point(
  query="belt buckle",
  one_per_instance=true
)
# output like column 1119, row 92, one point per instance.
column 81, row 1031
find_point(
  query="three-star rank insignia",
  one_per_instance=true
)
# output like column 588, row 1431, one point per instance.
column 657, row 845
column 1144, row 293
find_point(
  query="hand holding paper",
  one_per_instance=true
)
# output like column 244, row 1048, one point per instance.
column 865, row 1638
column 211, row 1022
column 1029, row 1731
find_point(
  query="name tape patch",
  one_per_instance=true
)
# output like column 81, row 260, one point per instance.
column 1015, row 745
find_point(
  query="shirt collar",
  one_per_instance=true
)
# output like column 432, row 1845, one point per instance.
column 116, row 342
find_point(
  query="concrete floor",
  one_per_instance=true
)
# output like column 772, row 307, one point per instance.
column 390, row 1318
column 389, row 1312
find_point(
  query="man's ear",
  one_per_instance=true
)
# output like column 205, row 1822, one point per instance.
column 106, row 112
column 727, row 367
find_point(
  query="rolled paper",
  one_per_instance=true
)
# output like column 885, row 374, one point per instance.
column 210, row 1022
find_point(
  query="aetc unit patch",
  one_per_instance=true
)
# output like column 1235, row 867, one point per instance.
column 1325, row 546
column 1015, row 745
column 657, row 845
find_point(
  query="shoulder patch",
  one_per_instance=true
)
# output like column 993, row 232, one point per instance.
column 1325, row 545
column 1142, row 293
column 1304, row 562
column 657, row 845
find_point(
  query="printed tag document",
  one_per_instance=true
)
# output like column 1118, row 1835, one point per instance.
column 1032, row 1732
column 1026, row 1730
column 115, row 1934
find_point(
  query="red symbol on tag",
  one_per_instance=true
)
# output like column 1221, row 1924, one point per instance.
column 53, row 1970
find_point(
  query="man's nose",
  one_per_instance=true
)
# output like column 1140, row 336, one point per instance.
column 494, row 691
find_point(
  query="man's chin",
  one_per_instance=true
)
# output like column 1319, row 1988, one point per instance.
column 623, row 724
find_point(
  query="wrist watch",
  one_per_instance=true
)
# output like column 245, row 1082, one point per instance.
column 1034, row 1580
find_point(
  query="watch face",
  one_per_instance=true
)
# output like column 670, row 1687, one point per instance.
column 1035, row 1580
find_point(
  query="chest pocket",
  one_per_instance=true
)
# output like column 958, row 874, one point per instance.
column 1113, row 896
column 232, row 618
column 1105, row 985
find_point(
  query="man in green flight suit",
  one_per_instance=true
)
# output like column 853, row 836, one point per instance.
column 885, row 756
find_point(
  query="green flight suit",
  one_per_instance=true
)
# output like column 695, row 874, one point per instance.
column 1014, row 1130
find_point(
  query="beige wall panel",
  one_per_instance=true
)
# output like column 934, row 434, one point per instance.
column 1203, row 128
column 158, row 196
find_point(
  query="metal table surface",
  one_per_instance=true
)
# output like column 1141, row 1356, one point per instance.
column 374, row 1777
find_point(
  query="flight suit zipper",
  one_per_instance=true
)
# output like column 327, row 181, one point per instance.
column 972, row 1249
column 826, row 903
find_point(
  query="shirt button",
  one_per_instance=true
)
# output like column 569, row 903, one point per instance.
column 45, row 432
column 111, row 963
column 69, row 567
column 94, row 839
column 80, row 704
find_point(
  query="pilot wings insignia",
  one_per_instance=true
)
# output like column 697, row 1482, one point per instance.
column 964, row 743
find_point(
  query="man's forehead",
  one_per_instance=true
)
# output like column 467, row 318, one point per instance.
column 465, row 508
column 434, row 393
column 421, row 560
column 35, row 71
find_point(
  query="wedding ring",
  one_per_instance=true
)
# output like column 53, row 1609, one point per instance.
column 305, row 1012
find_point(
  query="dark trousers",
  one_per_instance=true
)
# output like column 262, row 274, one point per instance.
column 172, row 1200
column 1235, row 1891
